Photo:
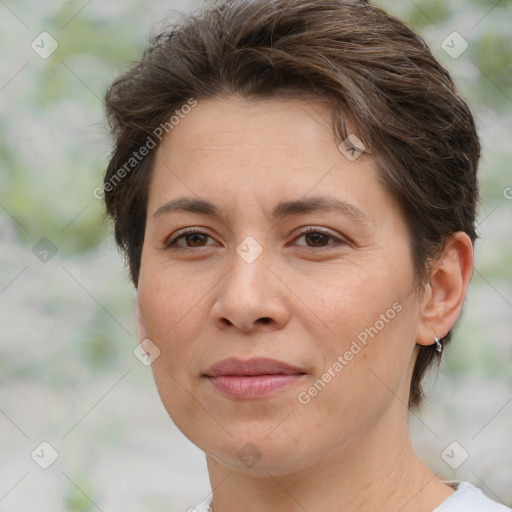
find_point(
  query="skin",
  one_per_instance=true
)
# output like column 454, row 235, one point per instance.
column 349, row 447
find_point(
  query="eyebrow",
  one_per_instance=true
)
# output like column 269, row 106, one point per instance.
column 281, row 210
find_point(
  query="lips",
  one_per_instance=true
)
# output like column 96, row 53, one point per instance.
column 251, row 367
column 252, row 378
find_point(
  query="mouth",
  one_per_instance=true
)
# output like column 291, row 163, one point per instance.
column 252, row 378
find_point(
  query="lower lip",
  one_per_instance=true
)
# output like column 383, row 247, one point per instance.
column 257, row 386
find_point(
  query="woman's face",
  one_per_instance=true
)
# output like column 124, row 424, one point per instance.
column 278, row 347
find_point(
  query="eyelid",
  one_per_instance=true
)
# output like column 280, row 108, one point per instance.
column 316, row 229
column 171, row 240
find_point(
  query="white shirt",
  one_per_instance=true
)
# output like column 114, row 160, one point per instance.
column 466, row 498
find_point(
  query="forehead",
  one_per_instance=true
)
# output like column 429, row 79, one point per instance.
column 231, row 151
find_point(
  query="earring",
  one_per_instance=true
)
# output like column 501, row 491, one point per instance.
column 438, row 343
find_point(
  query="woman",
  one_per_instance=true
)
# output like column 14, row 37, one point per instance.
column 294, row 184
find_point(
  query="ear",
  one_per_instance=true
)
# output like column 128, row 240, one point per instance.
column 444, row 294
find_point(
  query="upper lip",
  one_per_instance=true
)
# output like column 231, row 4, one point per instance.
column 252, row 367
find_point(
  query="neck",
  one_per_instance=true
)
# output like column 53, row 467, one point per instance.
column 377, row 471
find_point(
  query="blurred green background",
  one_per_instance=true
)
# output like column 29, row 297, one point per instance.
column 67, row 370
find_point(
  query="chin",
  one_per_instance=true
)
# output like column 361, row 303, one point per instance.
column 257, row 457
column 257, row 447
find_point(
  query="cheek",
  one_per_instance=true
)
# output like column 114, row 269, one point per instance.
column 349, row 300
column 172, row 311
column 165, row 296
column 370, row 326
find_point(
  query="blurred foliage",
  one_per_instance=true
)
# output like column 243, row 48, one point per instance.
column 54, row 150
column 80, row 496
column 434, row 13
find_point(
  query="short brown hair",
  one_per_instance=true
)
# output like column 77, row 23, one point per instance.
column 375, row 72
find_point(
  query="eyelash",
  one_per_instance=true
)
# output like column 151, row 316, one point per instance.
column 171, row 244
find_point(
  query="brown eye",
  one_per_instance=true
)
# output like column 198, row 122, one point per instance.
column 195, row 239
column 192, row 238
column 317, row 238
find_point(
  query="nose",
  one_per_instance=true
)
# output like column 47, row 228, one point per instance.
column 251, row 298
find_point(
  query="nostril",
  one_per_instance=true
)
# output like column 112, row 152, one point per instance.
column 264, row 320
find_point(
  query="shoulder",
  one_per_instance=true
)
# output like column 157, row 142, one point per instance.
column 468, row 498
